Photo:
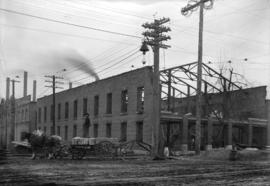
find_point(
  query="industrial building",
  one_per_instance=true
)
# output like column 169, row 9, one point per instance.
column 121, row 107
column 17, row 115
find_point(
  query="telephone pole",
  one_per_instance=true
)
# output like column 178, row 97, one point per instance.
column 53, row 86
column 192, row 6
column 154, row 38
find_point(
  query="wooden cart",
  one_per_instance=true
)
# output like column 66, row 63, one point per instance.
column 98, row 147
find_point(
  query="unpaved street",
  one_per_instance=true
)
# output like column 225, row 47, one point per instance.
column 141, row 171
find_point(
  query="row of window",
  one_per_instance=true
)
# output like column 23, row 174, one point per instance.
column 124, row 106
column 22, row 115
column 122, row 137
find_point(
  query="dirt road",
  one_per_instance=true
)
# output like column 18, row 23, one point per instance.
column 142, row 171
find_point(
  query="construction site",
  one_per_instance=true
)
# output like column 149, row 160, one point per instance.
column 180, row 108
column 116, row 108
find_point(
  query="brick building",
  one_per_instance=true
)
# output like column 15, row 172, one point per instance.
column 118, row 106
column 25, row 118
column 121, row 107
column 240, row 117
column 239, row 104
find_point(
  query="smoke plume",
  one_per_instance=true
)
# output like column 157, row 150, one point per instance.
column 75, row 59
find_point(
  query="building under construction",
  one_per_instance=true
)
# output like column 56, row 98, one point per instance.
column 121, row 106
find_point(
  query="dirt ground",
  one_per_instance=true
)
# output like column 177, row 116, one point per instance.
column 134, row 171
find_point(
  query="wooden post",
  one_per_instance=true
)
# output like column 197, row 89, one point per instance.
column 209, row 133
column 229, row 135
column 250, row 134
column 184, row 145
column 169, row 90
column 199, row 85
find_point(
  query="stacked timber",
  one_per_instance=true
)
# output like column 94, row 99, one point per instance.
column 91, row 141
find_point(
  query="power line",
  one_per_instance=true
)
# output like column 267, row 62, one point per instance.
column 63, row 34
column 111, row 65
column 70, row 24
column 118, row 12
column 105, row 63
column 77, row 15
column 127, row 62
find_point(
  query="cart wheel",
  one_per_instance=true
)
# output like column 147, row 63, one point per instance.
column 61, row 152
column 74, row 153
column 81, row 154
column 106, row 148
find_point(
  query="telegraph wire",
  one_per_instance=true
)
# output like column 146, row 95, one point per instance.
column 74, row 15
column 127, row 62
column 70, row 24
column 105, row 63
column 110, row 65
column 112, row 61
column 117, row 12
column 63, row 34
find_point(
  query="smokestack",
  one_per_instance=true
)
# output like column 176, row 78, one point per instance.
column 70, row 85
column 7, row 88
column 24, row 84
column 34, row 90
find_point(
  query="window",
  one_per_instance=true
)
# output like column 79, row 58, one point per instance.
column 22, row 115
column 39, row 115
column 45, row 130
column 124, row 101
column 75, row 109
column 45, row 114
column 66, row 110
column 139, row 131
column 96, row 105
column 26, row 114
column 95, row 130
column 140, row 99
column 74, row 130
column 109, row 103
column 52, row 112
column 58, row 130
column 108, row 130
column 123, row 136
column 66, row 133
column 84, row 106
column 59, row 111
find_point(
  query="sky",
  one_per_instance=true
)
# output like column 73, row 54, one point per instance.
column 103, row 37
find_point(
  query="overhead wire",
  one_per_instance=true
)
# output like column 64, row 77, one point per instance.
column 63, row 34
column 126, row 62
column 69, row 14
column 118, row 62
column 104, row 57
column 70, row 24
column 113, row 60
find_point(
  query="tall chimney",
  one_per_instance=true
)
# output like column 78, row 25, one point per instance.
column 34, row 90
column 24, row 84
column 7, row 88
column 70, row 85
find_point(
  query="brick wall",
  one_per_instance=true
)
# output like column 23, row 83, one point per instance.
column 127, row 81
column 243, row 104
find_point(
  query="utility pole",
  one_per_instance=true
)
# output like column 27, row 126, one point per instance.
column 192, row 6
column 53, row 86
column 13, row 112
column 154, row 38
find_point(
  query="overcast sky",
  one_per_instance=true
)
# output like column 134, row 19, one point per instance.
column 233, row 30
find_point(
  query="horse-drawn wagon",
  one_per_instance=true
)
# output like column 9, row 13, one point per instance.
column 101, row 147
